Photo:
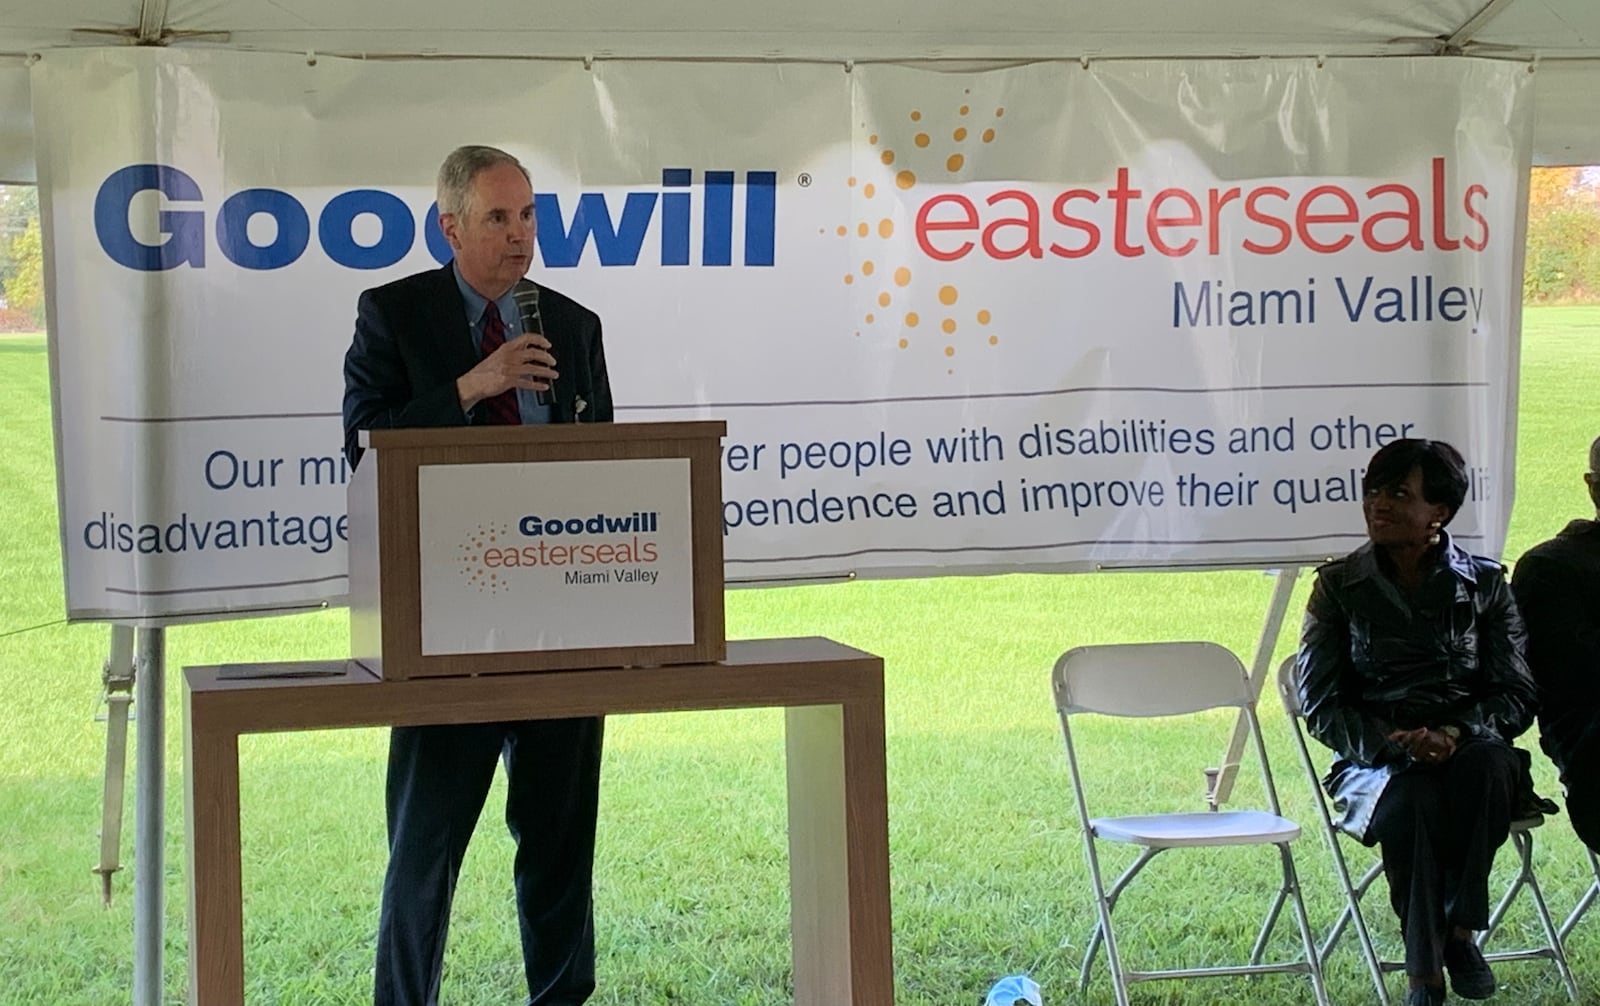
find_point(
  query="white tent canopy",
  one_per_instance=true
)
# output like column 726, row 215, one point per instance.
column 1560, row 39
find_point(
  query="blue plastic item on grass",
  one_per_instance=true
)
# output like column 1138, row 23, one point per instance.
column 1014, row 989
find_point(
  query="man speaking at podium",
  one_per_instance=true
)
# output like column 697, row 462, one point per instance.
column 475, row 343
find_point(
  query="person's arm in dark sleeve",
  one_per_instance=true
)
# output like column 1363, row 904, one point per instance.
column 1324, row 665
column 378, row 389
column 1510, row 697
column 1563, row 638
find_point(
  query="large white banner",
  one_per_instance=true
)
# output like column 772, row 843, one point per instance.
column 1046, row 317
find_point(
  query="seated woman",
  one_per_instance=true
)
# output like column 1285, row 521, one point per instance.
column 1411, row 670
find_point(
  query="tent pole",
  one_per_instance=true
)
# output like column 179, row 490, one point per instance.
column 1219, row 781
column 149, row 809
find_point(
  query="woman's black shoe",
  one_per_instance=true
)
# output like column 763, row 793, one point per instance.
column 1469, row 972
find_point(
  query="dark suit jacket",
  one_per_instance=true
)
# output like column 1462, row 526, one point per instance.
column 1558, row 589
column 412, row 341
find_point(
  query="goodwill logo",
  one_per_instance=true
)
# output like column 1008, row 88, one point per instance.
column 268, row 228
column 588, row 550
column 914, row 298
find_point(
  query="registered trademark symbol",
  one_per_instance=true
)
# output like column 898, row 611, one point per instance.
column 804, row 179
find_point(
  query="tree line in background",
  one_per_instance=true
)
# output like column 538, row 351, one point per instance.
column 1562, row 265
column 21, row 260
column 1563, row 258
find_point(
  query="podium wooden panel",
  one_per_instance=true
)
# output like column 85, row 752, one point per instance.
column 838, row 817
column 386, row 614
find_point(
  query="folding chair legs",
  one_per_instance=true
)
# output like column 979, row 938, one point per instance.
column 1352, row 915
column 1102, row 928
column 1584, row 902
column 1308, row 940
column 1287, row 890
column 1553, row 951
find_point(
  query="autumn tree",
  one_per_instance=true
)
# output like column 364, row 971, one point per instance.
column 24, row 288
column 1563, row 252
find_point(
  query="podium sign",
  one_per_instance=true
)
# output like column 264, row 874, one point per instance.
column 555, row 555
column 490, row 549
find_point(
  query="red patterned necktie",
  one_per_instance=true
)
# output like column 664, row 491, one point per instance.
column 503, row 409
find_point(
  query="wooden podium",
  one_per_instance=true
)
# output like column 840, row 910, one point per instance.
column 483, row 549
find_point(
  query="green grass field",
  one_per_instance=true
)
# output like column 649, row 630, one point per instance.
column 988, row 868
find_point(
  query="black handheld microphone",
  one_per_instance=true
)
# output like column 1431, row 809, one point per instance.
column 526, row 294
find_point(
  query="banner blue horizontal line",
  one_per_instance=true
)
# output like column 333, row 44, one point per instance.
column 1087, row 389
column 219, row 419
column 234, row 586
column 1352, row 536
column 1154, row 389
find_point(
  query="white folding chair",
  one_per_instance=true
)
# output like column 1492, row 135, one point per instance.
column 1352, row 917
column 1174, row 679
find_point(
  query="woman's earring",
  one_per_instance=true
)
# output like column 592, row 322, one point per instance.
column 1434, row 527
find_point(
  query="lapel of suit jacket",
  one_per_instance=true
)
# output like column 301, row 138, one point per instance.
column 447, row 316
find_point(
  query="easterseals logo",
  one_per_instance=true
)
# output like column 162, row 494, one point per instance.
column 588, row 550
column 267, row 228
column 914, row 303
column 921, row 210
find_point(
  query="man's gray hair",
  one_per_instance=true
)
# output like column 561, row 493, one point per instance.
column 454, row 189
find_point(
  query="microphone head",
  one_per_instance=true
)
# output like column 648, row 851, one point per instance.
column 526, row 295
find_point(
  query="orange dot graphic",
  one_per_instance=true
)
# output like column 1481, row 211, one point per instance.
column 902, row 276
column 842, row 231
column 869, row 319
column 873, row 138
column 983, row 317
column 988, row 136
column 869, row 190
column 964, row 110
column 949, row 351
column 883, row 300
column 904, row 344
column 885, row 228
column 955, row 162
column 994, row 340
column 866, row 268
column 949, row 326
column 916, row 116
column 947, row 295
column 912, row 319
column 921, row 139
column 999, row 112
column 905, row 179
column 848, row 279
column 960, row 134
column 888, row 157
column 851, row 181
column 861, row 229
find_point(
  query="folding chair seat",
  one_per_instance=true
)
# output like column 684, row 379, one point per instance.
column 1164, row 680
column 1352, row 917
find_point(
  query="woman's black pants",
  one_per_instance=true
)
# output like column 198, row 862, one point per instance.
column 1439, row 828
